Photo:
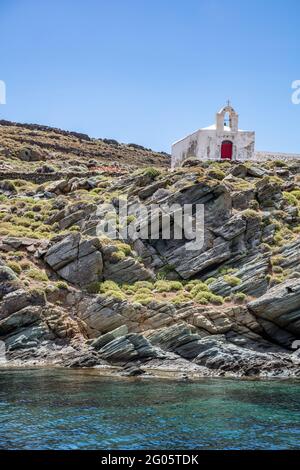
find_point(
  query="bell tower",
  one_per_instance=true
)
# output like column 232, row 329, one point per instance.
column 227, row 116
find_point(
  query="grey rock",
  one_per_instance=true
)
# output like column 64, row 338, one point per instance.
column 231, row 229
column 252, row 277
column 191, row 262
column 28, row 337
column 280, row 305
column 8, row 281
column 268, row 192
column 256, row 171
column 177, row 338
column 150, row 189
column 101, row 314
column 127, row 348
column 23, row 317
column 102, row 340
column 217, row 354
column 127, row 270
column 242, row 199
column 76, row 260
column 239, row 171
column 19, row 299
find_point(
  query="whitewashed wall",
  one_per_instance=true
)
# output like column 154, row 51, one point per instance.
column 205, row 144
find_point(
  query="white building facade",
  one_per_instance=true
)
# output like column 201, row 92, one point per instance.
column 221, row 141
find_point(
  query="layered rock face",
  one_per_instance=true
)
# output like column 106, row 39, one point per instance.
column 70, row 296
column 279, row 311
column 76, row 260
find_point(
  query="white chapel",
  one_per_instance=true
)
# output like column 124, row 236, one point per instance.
column 222, row 140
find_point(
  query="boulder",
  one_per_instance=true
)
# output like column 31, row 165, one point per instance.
column 7, row 187
column 280, row 305
column 101, row 314
column 231, row 229
column 18, row 320
column 256, row 171
column 127, row 271
column 252, row 277
column 239, row 171
column 191, row 262
column 268, row 192
column 8, row 281
column 216, row 353
column 102, row 340
column 127, row 348
column 28, row 154
column 177, row 338
column 58, row 187
column 76, row 259
column 242, row 199
column 18, row 300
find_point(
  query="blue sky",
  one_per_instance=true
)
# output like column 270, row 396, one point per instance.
column 151, row 71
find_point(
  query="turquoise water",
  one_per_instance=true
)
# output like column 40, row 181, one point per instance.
column 66, row 409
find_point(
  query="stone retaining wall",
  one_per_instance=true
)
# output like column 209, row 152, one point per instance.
column 40, row 178
column 264, row 156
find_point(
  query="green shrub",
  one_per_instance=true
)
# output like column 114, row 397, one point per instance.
column 181, row 298
column 14, row 266
column 119, row 295
column 232, row 280
column 61, row 285
column 201, row 299
column 143, row 299
column 144, row 290
column 296, row 194
column 208, row 297
column 290, row 198
column 152, row 172
column 215, row 299
column 37, row 274
column 175, row 285
column 29, row 214
column 109, row 286
column 130, row 218
column 239, row 296
column 128, row 289
column 140, row 284
column 276, row 260
column 216, row 173
column 226, row 270
column 198, row 288
column 125, row 248
column 118, row 256
column 210, row 280
column 168, row 286
column 250, row 214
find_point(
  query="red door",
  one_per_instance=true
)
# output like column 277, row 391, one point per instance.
column 226, row 150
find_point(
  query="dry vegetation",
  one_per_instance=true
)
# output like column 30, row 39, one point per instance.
column 67, row 150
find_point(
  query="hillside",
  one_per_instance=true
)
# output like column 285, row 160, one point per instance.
column 70, row 297
column 63, row 150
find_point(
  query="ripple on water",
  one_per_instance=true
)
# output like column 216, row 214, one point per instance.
column 65, row 409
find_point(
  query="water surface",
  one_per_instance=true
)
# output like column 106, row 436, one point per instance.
column 76, row 409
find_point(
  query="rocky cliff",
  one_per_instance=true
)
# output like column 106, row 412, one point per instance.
column 71, row 297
